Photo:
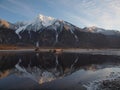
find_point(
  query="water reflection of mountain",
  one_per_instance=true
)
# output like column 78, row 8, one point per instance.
column 45, row 67
column 50, row 60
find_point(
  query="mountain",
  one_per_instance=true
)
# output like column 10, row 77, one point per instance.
column 5, row 24
column 94, row 29
column 45, row 31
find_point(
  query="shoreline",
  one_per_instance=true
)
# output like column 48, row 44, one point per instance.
column 70, row 50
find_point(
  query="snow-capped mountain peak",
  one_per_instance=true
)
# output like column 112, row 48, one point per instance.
column 42, row 22
column 45, row 20
column 91, row 28
column 36, row 24
column 94, row 29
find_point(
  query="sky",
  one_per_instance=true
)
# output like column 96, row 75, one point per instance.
column 82, row 13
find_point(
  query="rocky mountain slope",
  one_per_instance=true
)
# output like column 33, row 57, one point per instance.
column 46, row 31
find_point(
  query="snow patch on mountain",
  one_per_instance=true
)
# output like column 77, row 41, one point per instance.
column 46, row 20
column 20, row 23
column 41, row 22
column 36, row 24
column 70, row 27
column 94, row 29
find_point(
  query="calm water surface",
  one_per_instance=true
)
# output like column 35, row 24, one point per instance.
column 50, row 71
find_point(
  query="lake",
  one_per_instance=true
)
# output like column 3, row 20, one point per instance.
column 59, row 71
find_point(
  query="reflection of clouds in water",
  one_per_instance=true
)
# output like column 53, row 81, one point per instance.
column 110, row 82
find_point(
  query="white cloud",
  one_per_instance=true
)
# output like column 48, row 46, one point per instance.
column 102, row 13
column 6, row 8
column 19, row 8
column 80, row 21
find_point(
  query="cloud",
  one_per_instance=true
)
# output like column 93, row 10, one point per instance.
column 6, row 8
column 18, row 7
column 102, row 13
column 79, row 20
column 109, row 17
column 24, row 7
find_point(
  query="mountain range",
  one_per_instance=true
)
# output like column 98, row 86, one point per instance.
column 45, row 31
